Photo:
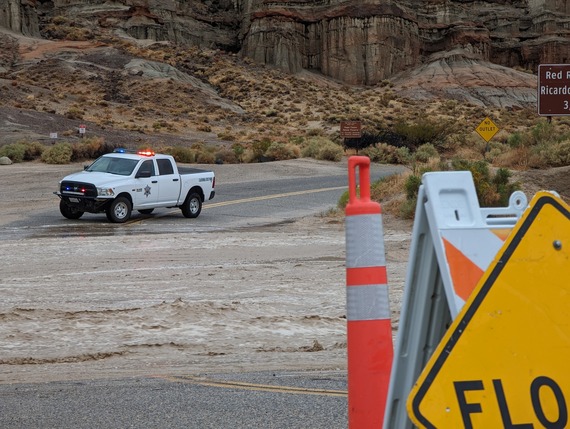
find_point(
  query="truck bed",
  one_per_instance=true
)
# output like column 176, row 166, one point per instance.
column 191, row 170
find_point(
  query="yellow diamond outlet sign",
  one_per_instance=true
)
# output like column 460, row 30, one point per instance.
column 505, row 360
column 487, row 129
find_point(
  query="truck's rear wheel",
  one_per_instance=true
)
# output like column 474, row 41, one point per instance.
column 192, row 205
column 68, row 211
column 119, row 210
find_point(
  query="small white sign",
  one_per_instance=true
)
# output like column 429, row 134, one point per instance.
column 52, row 135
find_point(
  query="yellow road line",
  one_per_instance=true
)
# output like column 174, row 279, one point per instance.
column 256, row 387
column 249, row 200
column 270, row 197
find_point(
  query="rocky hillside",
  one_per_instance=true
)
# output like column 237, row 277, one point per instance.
column 431, row 47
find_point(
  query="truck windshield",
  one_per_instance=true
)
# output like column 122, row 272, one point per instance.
column 109, row 164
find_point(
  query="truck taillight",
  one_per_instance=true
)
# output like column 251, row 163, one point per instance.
column 214, row 183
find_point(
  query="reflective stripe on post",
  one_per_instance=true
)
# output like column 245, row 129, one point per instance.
column 369, row 329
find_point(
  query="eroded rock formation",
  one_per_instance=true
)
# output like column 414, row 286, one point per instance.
column 361, row 42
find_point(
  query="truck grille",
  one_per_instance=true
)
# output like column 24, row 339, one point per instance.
column 78, row 189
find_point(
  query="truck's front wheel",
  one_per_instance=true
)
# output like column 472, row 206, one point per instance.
column 192, row 205
column 68, row 211
column 119, row 210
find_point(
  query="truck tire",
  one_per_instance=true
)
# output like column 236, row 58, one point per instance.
column 119, row 210
column 192, row 205
column 68, row 211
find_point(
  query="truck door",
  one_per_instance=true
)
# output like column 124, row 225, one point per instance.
column 145, row 190
column 168, row 182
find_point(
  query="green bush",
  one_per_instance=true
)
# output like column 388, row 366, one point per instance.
column 330, row 152
column 61, row 153
column 282, row 151
column 425, row 152
column 412, row 186
column 382, row 152
column 258, row 149
column 403, row 155
column 239, row 150
column 555, row 154
column 311, row 148
column 493, row 190
column 515, row 140
column 15, row 151
column 322, row 148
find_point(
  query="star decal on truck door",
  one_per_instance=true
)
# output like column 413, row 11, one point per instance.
column 147, row 191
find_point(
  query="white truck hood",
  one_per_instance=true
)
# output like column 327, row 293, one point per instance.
column 106, row 180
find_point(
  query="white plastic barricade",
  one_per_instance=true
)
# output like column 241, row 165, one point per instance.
column 453, row 242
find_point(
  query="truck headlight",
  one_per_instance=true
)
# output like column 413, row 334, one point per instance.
column 105, row 192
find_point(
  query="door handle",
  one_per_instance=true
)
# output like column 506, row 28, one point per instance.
column 154, row 181
column 175, row 180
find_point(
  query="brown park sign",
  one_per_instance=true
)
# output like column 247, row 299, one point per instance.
column 350, row 129
column 553, row 89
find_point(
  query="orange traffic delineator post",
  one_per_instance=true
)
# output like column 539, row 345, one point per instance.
column 369, row 329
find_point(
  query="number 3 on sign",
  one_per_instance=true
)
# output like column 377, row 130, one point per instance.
column 566, row 105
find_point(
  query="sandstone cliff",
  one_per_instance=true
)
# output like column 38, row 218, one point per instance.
column 359, row 42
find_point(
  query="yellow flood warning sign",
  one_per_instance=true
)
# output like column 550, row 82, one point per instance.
column 487, row 129
column 503, row 363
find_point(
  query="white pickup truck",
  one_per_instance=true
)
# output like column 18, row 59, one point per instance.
column 118, row 183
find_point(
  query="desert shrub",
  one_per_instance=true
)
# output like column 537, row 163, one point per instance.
column 412, row 186
column 15, row 151
column 226, row 136
column 181, row 154
column 34, row 150
column 322, row 148
column 330, row 151
column 515, row 140
column 403, row 155
column 519, row 158
column 493, row 190
column 205, row 157
column 59, row 154
column 90, row 148
column 258, row 149
column 495, row 150
column 422, row 132
column 74, row 113
column 239, row 151
column 282, row 151
column 311, row 148
column 204, row 128
column 382, row 152
column 543, row 132
column 555, row 154
column 225, row 155
column 425, row 152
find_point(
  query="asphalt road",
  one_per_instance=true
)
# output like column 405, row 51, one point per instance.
column 237, row 204
column 310, row 399
column 239, row 401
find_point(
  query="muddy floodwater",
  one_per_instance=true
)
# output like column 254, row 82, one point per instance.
column 131, row 302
